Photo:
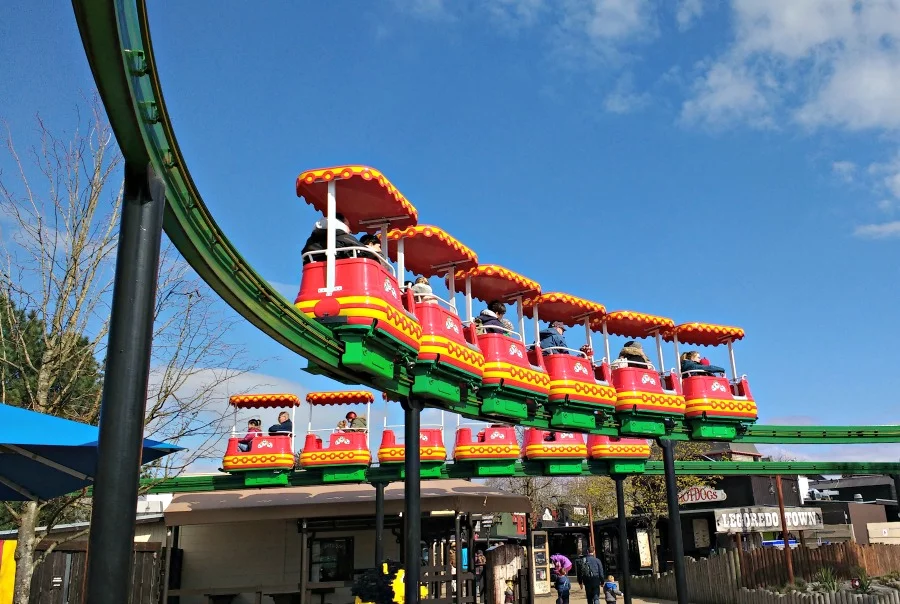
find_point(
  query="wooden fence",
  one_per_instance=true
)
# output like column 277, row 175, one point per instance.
column 725, row 579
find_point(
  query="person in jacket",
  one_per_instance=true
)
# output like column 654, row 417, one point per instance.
column 374, row 244
column 633, row 355
column 611, row 589
column 692, row 365
column 318, row 240
column 253, row 430
column 591, row 576
column 422, row 291
column 284, row 425
column 561, row 563
column 563, row 587
column 356, row 423
column 552, row 337
column 492, row 319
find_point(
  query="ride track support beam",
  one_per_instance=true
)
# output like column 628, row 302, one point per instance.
column 624, row 562
column 379, row 524
column 676, row 540
column 127, row 373
column 375, row 474
column 412, row 499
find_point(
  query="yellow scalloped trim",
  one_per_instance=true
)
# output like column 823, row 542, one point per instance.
column 279, row 398
column 424, row 230
column 705, row 334
column 366, row 173
column 344, row 397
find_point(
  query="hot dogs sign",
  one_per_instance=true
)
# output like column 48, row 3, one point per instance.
column 700, row 495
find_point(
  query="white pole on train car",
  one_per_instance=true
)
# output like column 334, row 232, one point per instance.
column 731, row 357
column 330, row 237
column 369, row 417
column 677, row 356
column 401, row 263
column 382, row 237
column 469, row 316
column 521, row 315
column 537, row 326
column 293, row 424
column 588, row 336
column 451, row 286
column 606, row 342
column 659, row 352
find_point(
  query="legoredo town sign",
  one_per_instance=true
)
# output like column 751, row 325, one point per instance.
column 761, row 519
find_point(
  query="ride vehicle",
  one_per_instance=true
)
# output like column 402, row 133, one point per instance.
column 493, row 451
column 559, row 452
column 511, row 385
column 268, row 458
column 578, row 399
column 432, row 452
column 358, row 297
column 345, row 455
column 617, row 455
column 648, row 402
column 448, row 367
column 715, row 407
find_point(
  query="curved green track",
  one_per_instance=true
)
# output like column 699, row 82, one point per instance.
column 117, row 41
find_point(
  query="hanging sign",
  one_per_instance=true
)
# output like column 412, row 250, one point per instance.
column 700, row 495
column 762, row 519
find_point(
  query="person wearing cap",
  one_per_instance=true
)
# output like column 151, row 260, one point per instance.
column 552, row 338
column 633, row 354
column 318, row 240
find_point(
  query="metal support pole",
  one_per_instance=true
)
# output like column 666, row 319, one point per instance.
column 897, row 491
column 788, row 555
column 379, row 524
column 458, row 567
column 676, row 539
column 624, row 571
column 111, row 545
column 412, row 510
column 529, row 558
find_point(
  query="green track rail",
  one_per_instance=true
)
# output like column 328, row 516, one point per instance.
column 116, row 38
column 384, row 474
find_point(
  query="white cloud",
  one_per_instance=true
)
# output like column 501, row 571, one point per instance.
column 885, row 230
column 847, row 453
column 726, row 94
column 888, row 174
column 623, row 99
column 846, row 170
column 427, row 9
column 687, row 12
column 516, row 14
column 826, row 62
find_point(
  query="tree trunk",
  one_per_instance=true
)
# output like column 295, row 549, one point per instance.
column 25, row 544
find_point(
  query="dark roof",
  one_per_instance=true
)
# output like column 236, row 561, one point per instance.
column 851, row 482
column 718, row 448
column 335, row 501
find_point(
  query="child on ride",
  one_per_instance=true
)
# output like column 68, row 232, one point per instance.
column 253, row 430
column 693, row 365
column 422, row 291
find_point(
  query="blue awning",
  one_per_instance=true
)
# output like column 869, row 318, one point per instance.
column 44, row 456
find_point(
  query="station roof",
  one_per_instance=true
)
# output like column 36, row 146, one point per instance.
column 335, row 501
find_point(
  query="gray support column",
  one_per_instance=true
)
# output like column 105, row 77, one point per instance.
column 624, row 562
column 675, row 537
column 412, row 510
column 111, row 541
column 379, row 524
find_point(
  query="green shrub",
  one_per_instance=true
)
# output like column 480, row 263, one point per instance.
column 827, row 579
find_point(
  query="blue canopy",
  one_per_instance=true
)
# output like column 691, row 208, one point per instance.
column 43, row 456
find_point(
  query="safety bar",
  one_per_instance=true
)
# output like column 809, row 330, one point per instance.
column 578, row 353
column 424, row 297
column 502, row 330
column 311, row 255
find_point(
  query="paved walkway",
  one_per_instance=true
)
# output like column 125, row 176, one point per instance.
column 577, row 597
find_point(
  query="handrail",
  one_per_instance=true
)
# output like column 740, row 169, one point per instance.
column 357, row 251
column 577, row 353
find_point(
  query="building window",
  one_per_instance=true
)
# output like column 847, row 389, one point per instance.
column 331, row 560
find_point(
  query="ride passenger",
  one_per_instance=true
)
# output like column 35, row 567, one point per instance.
column 422, row 291
column 373, row 243
column 284, row 425
column 356, row 423
column 632, row 355
column 692, row 364
column 318, row 240
column 552, row 337
column 253, row 430
column 341, row 426
column 492, row 320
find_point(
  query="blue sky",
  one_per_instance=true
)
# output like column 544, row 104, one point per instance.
column 733, row 162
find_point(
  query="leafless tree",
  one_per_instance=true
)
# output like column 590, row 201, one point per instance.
column 59, row 214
